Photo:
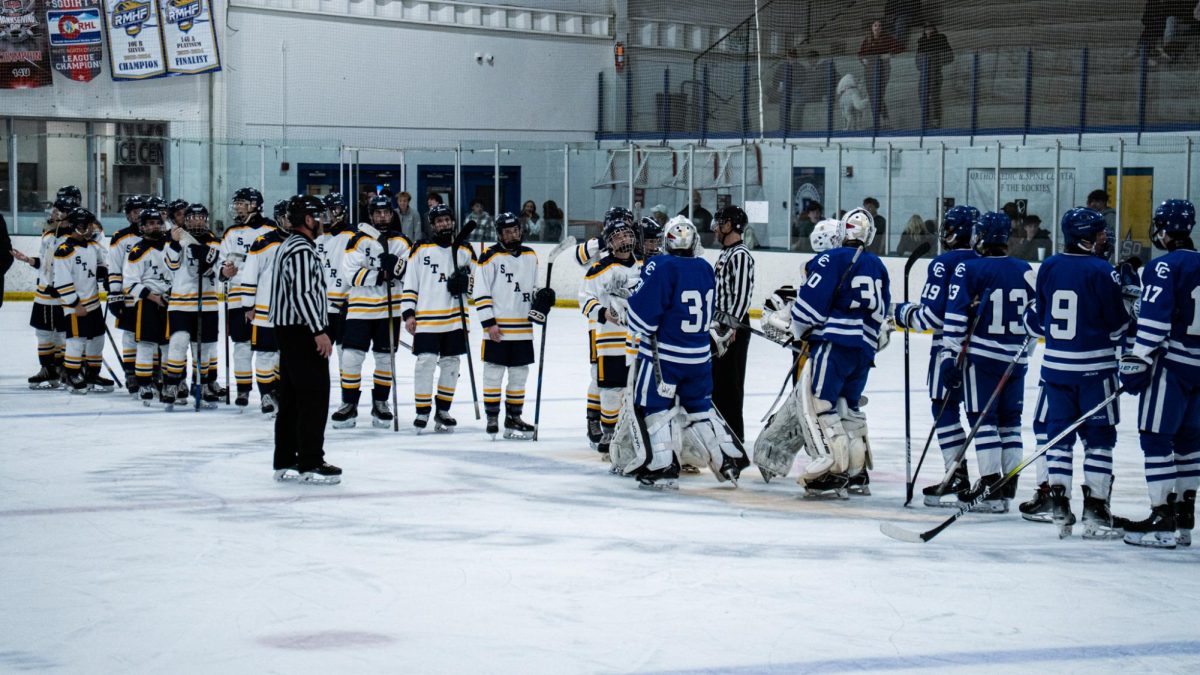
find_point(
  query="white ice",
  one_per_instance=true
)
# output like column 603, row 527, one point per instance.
column 145, row 542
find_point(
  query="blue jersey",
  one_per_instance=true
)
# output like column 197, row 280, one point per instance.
column 850, row 314
column 1170, row 312
column 1001, row 286
column 1078, row 309
column 931, row 313
column 674, row 303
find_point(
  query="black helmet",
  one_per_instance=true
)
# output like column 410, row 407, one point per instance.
column 249, row 194
column 506, row 221
column 176, row 206
column 301, row 206
column 281, row 208
column 151, row 214
column 81, row 220
column 159, row 203
column 733, row 215
column 134, row 202
column 69, row 196
column 195, row 218
column 438, row 211
column 335, row 202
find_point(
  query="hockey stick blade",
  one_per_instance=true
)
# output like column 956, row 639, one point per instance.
column 901, row 534
column 563, row 245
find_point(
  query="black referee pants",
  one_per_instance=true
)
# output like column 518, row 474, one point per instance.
column 303, row 394
column 729, row 382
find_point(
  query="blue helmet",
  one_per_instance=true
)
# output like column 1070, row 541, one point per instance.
column 959, row 221
column 1175, row 216
column 993, row 227
column 1082, row 224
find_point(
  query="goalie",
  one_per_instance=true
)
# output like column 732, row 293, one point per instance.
column 670, row 313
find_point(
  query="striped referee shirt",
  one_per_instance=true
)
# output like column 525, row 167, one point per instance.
column 735, row 281
column 298, row 296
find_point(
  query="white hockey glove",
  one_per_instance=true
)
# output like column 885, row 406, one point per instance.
column 885, row 335
column 777, row 325
column 722, row 337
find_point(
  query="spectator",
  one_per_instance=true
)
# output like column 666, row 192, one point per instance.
column 531, row 221
column 880, row 245
column 933, row 55
column 485, row 229
column 804, row 77
column 552, row 225
column 407, row 218
column 915, row 233
column 659, row 213
column 875, row 53
column 899, row 16
column 813, row 213
column 1154, row 26
column 431, row 200
column 700, row 216
column 1098, row 200
column 1033, row 242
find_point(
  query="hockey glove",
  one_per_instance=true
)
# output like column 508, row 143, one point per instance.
column 393, row 266
column 722, row 337
column 459, row 283
column 206, row 256
column 543, row 300
column 904, row 313
column 116, row 304
column 885, row 335
column 102, row 276
column 949, row 374
column 1135, row 373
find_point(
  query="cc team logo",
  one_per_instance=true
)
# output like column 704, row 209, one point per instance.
column 131, row 15
column 183, row 13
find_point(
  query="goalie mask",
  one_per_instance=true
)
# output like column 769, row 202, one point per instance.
column 859, row 225
column 827, row 234
column 681, row 237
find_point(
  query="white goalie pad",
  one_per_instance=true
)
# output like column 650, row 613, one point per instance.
column 710, row 435
column 855, row 423
column 783, row 437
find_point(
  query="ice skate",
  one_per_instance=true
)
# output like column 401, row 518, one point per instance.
column 267, row 405
column 730, row 470
column 859, row 484
column 98, row 384
column 517, row 429
column 167, row 397
column 829, row 486
column 688, row 468
column 1098, row 521
column 1157, row 530
column 381, row 415
column 147, row 396
column 662, row 480
column 935, row 496
column 209, row 396
column 287, row 474
column 345, row 417
column 1037, row 510
column 1060, row 510
column 995, row 501
column 181, row 394
column 493, row 426
column 44, row 379
column 421, row 421
column 594, row 432
column 443, row 423
column 77, row 384
column 324, row 474
column 603, row 446
column 242, row 401
column 1185, row 518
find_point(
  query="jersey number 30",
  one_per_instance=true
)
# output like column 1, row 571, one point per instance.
column 699, row 310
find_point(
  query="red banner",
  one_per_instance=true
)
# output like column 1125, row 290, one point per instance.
column 24, row 56
column 76, row 31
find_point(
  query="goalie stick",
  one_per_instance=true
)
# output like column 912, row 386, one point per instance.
column 563, row 245
column 916, row 255
column 900, row 534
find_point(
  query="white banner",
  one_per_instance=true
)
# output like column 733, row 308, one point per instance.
column 1031, row 188
column 134, row 39
column 190, row 37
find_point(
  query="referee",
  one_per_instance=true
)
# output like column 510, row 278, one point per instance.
column 735, row 283
column 298, row 313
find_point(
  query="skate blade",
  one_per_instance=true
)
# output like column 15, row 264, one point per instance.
column 1064, row 531
column 78, row 392
column 605, row 457
column 380, row 423
column 730, row 477
column 315, row 479
column 513, row 434
column 826, row 495
column 767, row 474
column 688, row 468
column 1183, row 537
column 44, row 386
column 1150, row 539
column 287, row 475
column 169, row 407
column 863, row 491
column 660, row 486
column 443, row 429
column 1037, row 517
column 100, row 390
column 348, row 424
column 1100, row 532
column 999, row 506
column 949, row 501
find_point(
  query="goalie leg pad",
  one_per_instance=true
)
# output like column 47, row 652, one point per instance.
column 712, row 434
column 854, row 421
column 836, row 442
column 782, row 439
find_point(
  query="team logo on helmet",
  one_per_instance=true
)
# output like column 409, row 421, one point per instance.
column 131, row 15
column 183, row 13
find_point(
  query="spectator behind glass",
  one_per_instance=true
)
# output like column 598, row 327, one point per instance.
column 531, row 221
column 659, row 213
column 552, row 221
column 1098, row 200
column 807, row 80
column 915, row 233
column 880, row 245
column 407, row 218
column 933, row 55
column 801, row 230
column 431, row 200
column 899, row 16
column 875, row 54
column 1033, row 242
column 701, row 217
column 485, row 229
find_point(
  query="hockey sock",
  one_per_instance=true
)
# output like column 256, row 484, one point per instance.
column 73, row 361
column 514, row 394
column 1160, row 466
column 950, row 432
column 266, row 371
column 493, row 376
column 382, row 377
column 447, row 381
column 593, row 395
column 988, row 448
column 129, row 351
column 177, row 351
column 1187, row 458
column 422, row 381
column 351, row 375
column 144, row 366
column 46, row 348
column 243, row 371
column 610, row 408
column 208, row 360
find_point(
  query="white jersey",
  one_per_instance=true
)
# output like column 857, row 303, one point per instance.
column 504, row 288
column 146, row 270
column 185, row 277
column 122, row 242
column 259, row 273
column 587, row 252
column 332, row 249
column 44, row 293
column 606, row 286
column 235, row 246
column 361, row 267
column 76, row 281
column 425, row 293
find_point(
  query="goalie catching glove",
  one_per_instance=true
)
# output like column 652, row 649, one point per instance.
column 543, row 300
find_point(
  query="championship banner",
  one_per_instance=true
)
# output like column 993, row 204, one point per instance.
column 24, row 57
column 134, row 39
column 76, row 31
column 189, row 36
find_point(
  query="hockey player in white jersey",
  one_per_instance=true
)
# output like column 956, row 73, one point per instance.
column 192, row 310
column 587, row 253
column 505, row 292
column 147, row 281
column 373, row 265
column 249, row 225
column 119, row 302
column 331, row 246
column 603, row 300
column 47, row 318
column 79, row 270
column 256, row 282
column 435, row 284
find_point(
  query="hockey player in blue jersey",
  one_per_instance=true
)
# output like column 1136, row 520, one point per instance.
column 1164, row 367
column 985, row 305
column 930, row 314
column 670, row 314
column 841, row 310
column 1078, row 309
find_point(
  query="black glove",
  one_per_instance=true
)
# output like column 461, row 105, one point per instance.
column 102, row 276
column 543, row 300
column 459, row 283
column 390, row 263
column 206, row 256
column 116, row 304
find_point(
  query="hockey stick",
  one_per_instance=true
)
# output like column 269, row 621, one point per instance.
column 901, row 534
column 920, row 251
column 199, row 328
column 563, row 245
column 462, row 237
column 113, row 343
column 726, row 319
column 664, row 389
column 797, row 363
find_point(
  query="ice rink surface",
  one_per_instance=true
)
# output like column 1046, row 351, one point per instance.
column 137, row 541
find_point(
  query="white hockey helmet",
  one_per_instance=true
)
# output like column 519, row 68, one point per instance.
column 680, row 237
column 859, row 225
column 827, row 234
